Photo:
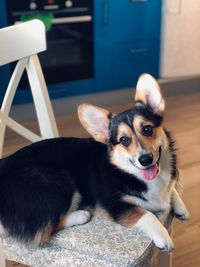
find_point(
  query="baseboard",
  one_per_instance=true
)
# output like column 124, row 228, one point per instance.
column 65, row 106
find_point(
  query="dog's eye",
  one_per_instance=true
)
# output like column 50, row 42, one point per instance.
column 147, row 130
column 125, row 141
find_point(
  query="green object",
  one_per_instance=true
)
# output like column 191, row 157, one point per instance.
column 46, row 18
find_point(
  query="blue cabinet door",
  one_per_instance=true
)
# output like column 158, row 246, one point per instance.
column 102, row 45
column 132, row 59
column 136, row 19
column 127, row 41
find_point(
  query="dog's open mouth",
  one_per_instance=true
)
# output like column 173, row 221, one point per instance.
column 151, row 172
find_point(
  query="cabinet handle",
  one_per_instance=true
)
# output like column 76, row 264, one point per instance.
column 105, row 12
column 138, row 1
column 137, row 50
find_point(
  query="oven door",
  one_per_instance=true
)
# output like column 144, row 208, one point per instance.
column 69, row 54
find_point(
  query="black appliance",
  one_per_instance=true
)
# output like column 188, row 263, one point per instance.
column 69, row 54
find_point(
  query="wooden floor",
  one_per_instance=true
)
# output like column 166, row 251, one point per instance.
column 183, row 119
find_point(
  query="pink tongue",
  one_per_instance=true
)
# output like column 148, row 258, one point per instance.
column 150, row 173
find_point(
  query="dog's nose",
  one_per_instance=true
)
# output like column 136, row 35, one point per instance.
column 146, row 159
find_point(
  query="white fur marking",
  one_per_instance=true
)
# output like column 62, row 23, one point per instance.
column 149, row 224
column 159, row 190
column 77, row 217
column 179, row 207
column 150, row 88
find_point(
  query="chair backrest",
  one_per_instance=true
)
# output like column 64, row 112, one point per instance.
column 22, row 40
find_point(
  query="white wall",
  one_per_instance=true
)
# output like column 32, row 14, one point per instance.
column 180, row 39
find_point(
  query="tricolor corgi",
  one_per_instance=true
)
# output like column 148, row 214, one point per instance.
column 127, row 173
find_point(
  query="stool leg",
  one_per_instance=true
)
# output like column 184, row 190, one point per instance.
column 2, row 257
column 8, row 98
column 41, row 99
column 164, row 259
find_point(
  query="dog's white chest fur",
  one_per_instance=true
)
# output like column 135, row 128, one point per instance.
column 159, row 193
column 158, row 196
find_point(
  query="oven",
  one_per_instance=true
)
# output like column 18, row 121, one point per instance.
column 69, row 30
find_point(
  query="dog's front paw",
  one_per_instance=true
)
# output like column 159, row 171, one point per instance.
column 156, row 231
column 179, row 208
column 77, row 218
column 163, row 241
column 183, row 215
column 181, row 212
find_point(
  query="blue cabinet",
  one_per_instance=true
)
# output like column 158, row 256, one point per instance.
column 131, row 59
column 135, row 19
column 127, row 41
column 103, row 46
column 126, row 44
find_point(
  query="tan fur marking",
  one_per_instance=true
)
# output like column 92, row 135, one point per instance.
column 139, row 121
column 128, row 199
column 103, row 213
column 132, row 148
column 140, row 96
column 125, row 130
column 161, row 133
column 131, row 217
column 119, row 152
column 150, row 143
column 44, row 235
column 61, row 223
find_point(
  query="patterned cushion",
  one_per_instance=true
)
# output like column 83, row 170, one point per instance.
column 99, row 243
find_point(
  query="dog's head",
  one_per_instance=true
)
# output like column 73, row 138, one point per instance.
column 135, row 137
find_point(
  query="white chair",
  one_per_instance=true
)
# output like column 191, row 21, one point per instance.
column 99, row 243
column 22, row 43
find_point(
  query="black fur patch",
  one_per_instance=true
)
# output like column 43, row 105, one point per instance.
column 38, row 181
column 172, row 149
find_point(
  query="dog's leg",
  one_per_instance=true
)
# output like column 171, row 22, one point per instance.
column 178, row 206
column 149, row 224
column 133, row 216
column 77, row 218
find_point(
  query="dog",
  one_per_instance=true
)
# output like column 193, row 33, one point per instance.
column 127, row 173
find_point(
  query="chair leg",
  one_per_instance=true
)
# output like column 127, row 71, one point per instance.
column 8, row 98
column 2, row 131
column 41, row 99
column 164, row 259
column 2, row 257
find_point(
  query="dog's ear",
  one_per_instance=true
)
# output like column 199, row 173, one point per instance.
column 148, row 92
column 95, row 120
